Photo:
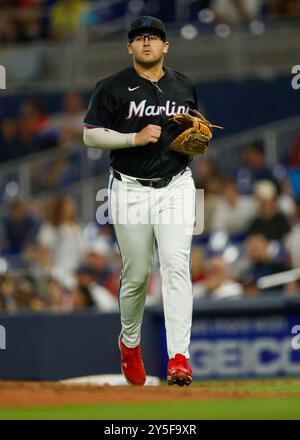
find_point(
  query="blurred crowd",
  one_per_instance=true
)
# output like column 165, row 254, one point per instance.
column 49, row 260
column 54, row 262
column 30, row 128
column 245, row 11
column 254, row 225
column 34, row 20
column 34, row 130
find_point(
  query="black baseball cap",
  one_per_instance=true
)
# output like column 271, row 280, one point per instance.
column 147, row 23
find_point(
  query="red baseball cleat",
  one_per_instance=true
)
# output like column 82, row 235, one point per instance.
column 132, row 364
column 179, row 371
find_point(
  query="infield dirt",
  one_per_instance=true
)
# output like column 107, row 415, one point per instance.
column 29, row 394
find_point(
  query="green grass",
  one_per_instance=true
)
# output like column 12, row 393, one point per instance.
column 237, row 409
column 253, row 385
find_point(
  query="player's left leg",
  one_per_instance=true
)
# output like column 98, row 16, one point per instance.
column 174, row 235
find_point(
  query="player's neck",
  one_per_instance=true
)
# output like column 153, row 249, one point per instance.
column 153, row 73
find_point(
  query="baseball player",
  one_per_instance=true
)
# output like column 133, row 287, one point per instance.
column 129, row 114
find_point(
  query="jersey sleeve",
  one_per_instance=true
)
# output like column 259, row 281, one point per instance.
column 100, row 109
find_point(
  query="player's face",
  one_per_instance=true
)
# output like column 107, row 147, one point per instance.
column 148, row 49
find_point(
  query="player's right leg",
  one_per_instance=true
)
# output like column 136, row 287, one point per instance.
column 136, row 243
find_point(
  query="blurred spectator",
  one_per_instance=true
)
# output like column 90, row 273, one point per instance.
column 233, row 212
column 292, row 9
column 61, row 242
column 197, row 264
column 68, row 123
column 19, row 228
column 236, row 11
column 7, row 289
column 1, row 302
column 29, row 17
column 218, row 283
column 107, row 232
column 204, row 170
column 19, row 293
column 208, row 177
column 57, row 295
column 24, row 293
column 23, row 20
column 27, row 134
column 284, row 9
column 82, row 298
column 294, row 176
column 32, row 112
column 293, row 162
column 90, row 293
column 9, row 32
column 66, row 17
column 260, row 260
column 112, row 281
column 293, row 159
column 34, row 127
column 292, row 288
column 93, row 231
column 286, row 201
column 10, row 144
column 254, row 168
column 292, row 241
column 97, row 258
column 27, row 137
column 269, row 222
column 97, row 296
column 47, row 174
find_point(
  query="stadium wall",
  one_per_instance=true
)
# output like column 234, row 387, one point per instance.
column 234, row 339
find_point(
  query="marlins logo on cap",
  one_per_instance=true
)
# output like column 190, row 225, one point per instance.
column 146, row 22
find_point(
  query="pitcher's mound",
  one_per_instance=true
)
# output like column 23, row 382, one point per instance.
column 107, row 379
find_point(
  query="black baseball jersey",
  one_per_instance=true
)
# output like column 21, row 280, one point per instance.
column 126, row 102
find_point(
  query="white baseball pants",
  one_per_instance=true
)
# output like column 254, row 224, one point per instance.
column 142, row 215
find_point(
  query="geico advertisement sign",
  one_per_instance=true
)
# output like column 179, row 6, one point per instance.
column 232, row 357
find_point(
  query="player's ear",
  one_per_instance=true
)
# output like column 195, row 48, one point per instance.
column 129, row 48
column 166, row 47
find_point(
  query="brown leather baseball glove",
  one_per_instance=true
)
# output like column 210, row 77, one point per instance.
column 196, row 135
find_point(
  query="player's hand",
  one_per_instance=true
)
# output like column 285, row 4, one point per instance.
column 151, row 133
